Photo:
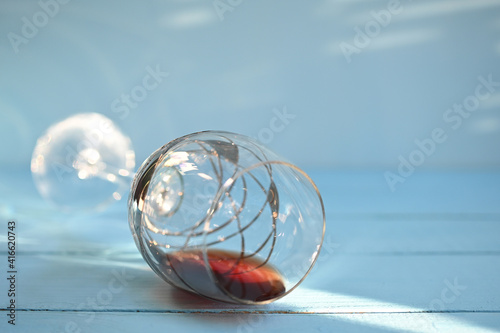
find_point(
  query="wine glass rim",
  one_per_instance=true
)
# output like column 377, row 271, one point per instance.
column 213, row 208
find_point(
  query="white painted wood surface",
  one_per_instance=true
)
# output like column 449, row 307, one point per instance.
column 425, row 258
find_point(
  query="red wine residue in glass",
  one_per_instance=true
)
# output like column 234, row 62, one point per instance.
column 245, row 278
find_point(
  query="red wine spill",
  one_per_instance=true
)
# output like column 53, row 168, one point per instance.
column 247, row 278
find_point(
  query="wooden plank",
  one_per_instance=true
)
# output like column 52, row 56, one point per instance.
column 424, row 193
column 41, row 229
column 59, row 322
column 430, row 246
column 344, row 192
column 105, row 236
column 419, row 236
column 432, row 214
column 341, row 283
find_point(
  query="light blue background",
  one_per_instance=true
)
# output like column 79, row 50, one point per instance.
column 231, row 74
column 384, row 251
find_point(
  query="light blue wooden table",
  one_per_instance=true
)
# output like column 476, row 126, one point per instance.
column 425, row 258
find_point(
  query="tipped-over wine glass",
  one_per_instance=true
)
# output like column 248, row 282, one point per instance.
column 214, row 213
